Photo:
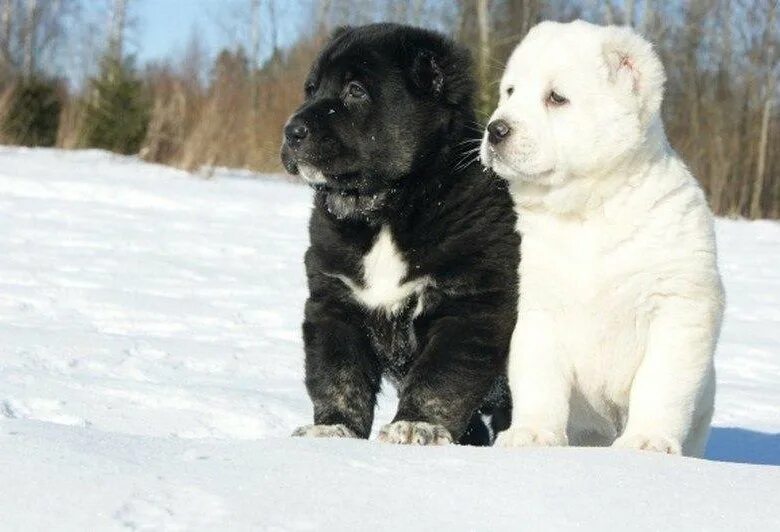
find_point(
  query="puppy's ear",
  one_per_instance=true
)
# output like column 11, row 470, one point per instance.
column 427, row 74
column 634, row 67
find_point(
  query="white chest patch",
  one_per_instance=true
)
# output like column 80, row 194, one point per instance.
column 384, row 270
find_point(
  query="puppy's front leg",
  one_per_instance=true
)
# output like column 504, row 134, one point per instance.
column 342, row 374
column 461, row 359
column 540, row 385
column 672, row 394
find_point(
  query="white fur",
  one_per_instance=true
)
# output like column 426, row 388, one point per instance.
column 311, row 175
column 384, row 271
column 621, row 300
column 324, row 431
column 414, row 433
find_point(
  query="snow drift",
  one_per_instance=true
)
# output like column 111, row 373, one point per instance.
column 151, row 370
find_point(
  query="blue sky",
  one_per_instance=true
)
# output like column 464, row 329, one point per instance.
column 163, row 27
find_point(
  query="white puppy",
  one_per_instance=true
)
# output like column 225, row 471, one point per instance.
column 621, row 300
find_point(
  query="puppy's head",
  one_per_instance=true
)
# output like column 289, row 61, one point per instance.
column 576, row 100
column 380, row 102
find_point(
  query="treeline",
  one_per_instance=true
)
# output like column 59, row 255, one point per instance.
column 722, row 57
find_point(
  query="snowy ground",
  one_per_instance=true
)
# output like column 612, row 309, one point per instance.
column 151, row 370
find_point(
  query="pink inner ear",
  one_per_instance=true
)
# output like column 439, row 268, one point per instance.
column 627, row 63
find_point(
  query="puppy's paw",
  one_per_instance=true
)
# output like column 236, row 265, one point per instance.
column 414, row 433
column 529, row 437
column 649, row 442
column 324, row 431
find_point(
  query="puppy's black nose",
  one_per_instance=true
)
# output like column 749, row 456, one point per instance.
column 295, row 132
column 498, row 130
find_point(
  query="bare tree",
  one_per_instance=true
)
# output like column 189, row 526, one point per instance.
column 6, row 18
column 193, row 64
column 483, row 25
column 323, row 16
column 768, row 46
column 630, row 13
column 608, row 12
column 116, row 33
column 30, row 30
column 272, row 26
column 254, row 33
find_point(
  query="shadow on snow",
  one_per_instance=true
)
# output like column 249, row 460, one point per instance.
column 729, row 444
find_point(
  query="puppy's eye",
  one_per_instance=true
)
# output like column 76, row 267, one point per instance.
column 309, row 88
column 555, row 99
column 356, row 91
column 509, row 91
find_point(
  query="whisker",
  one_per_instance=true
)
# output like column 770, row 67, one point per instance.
column 466, row 164
column 470, row 151
column 469, row 141
column 465, row 156
column 467, row 159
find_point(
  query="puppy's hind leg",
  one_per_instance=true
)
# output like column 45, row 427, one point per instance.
column 696, row 443
column 477, row 433
column 492, row 418
column 674, row 382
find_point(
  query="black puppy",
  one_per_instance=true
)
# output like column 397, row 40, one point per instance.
column 412, row 268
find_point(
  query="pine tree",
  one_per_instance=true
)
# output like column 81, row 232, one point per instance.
column 117, row 110
column 33, row 113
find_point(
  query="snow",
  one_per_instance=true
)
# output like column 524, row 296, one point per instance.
column 151, row 371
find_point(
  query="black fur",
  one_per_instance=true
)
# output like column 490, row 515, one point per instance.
column 399, row 154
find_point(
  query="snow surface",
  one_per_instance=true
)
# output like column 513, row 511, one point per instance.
column 151, row 370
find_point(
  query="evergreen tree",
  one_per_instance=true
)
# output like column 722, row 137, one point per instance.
column 33, row 114
column 117, row 110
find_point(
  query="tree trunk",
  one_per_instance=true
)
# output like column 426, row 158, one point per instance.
column 483, row 25
column 117, row 33
column 526, row 26
column 254, row 34
column 30, row 27
column 769, row 89
column 5, row 33
column 5, row 21
column 323, row 17
column 608, row 12
column 272, row 26
column 758, row 186
column 630, row 12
